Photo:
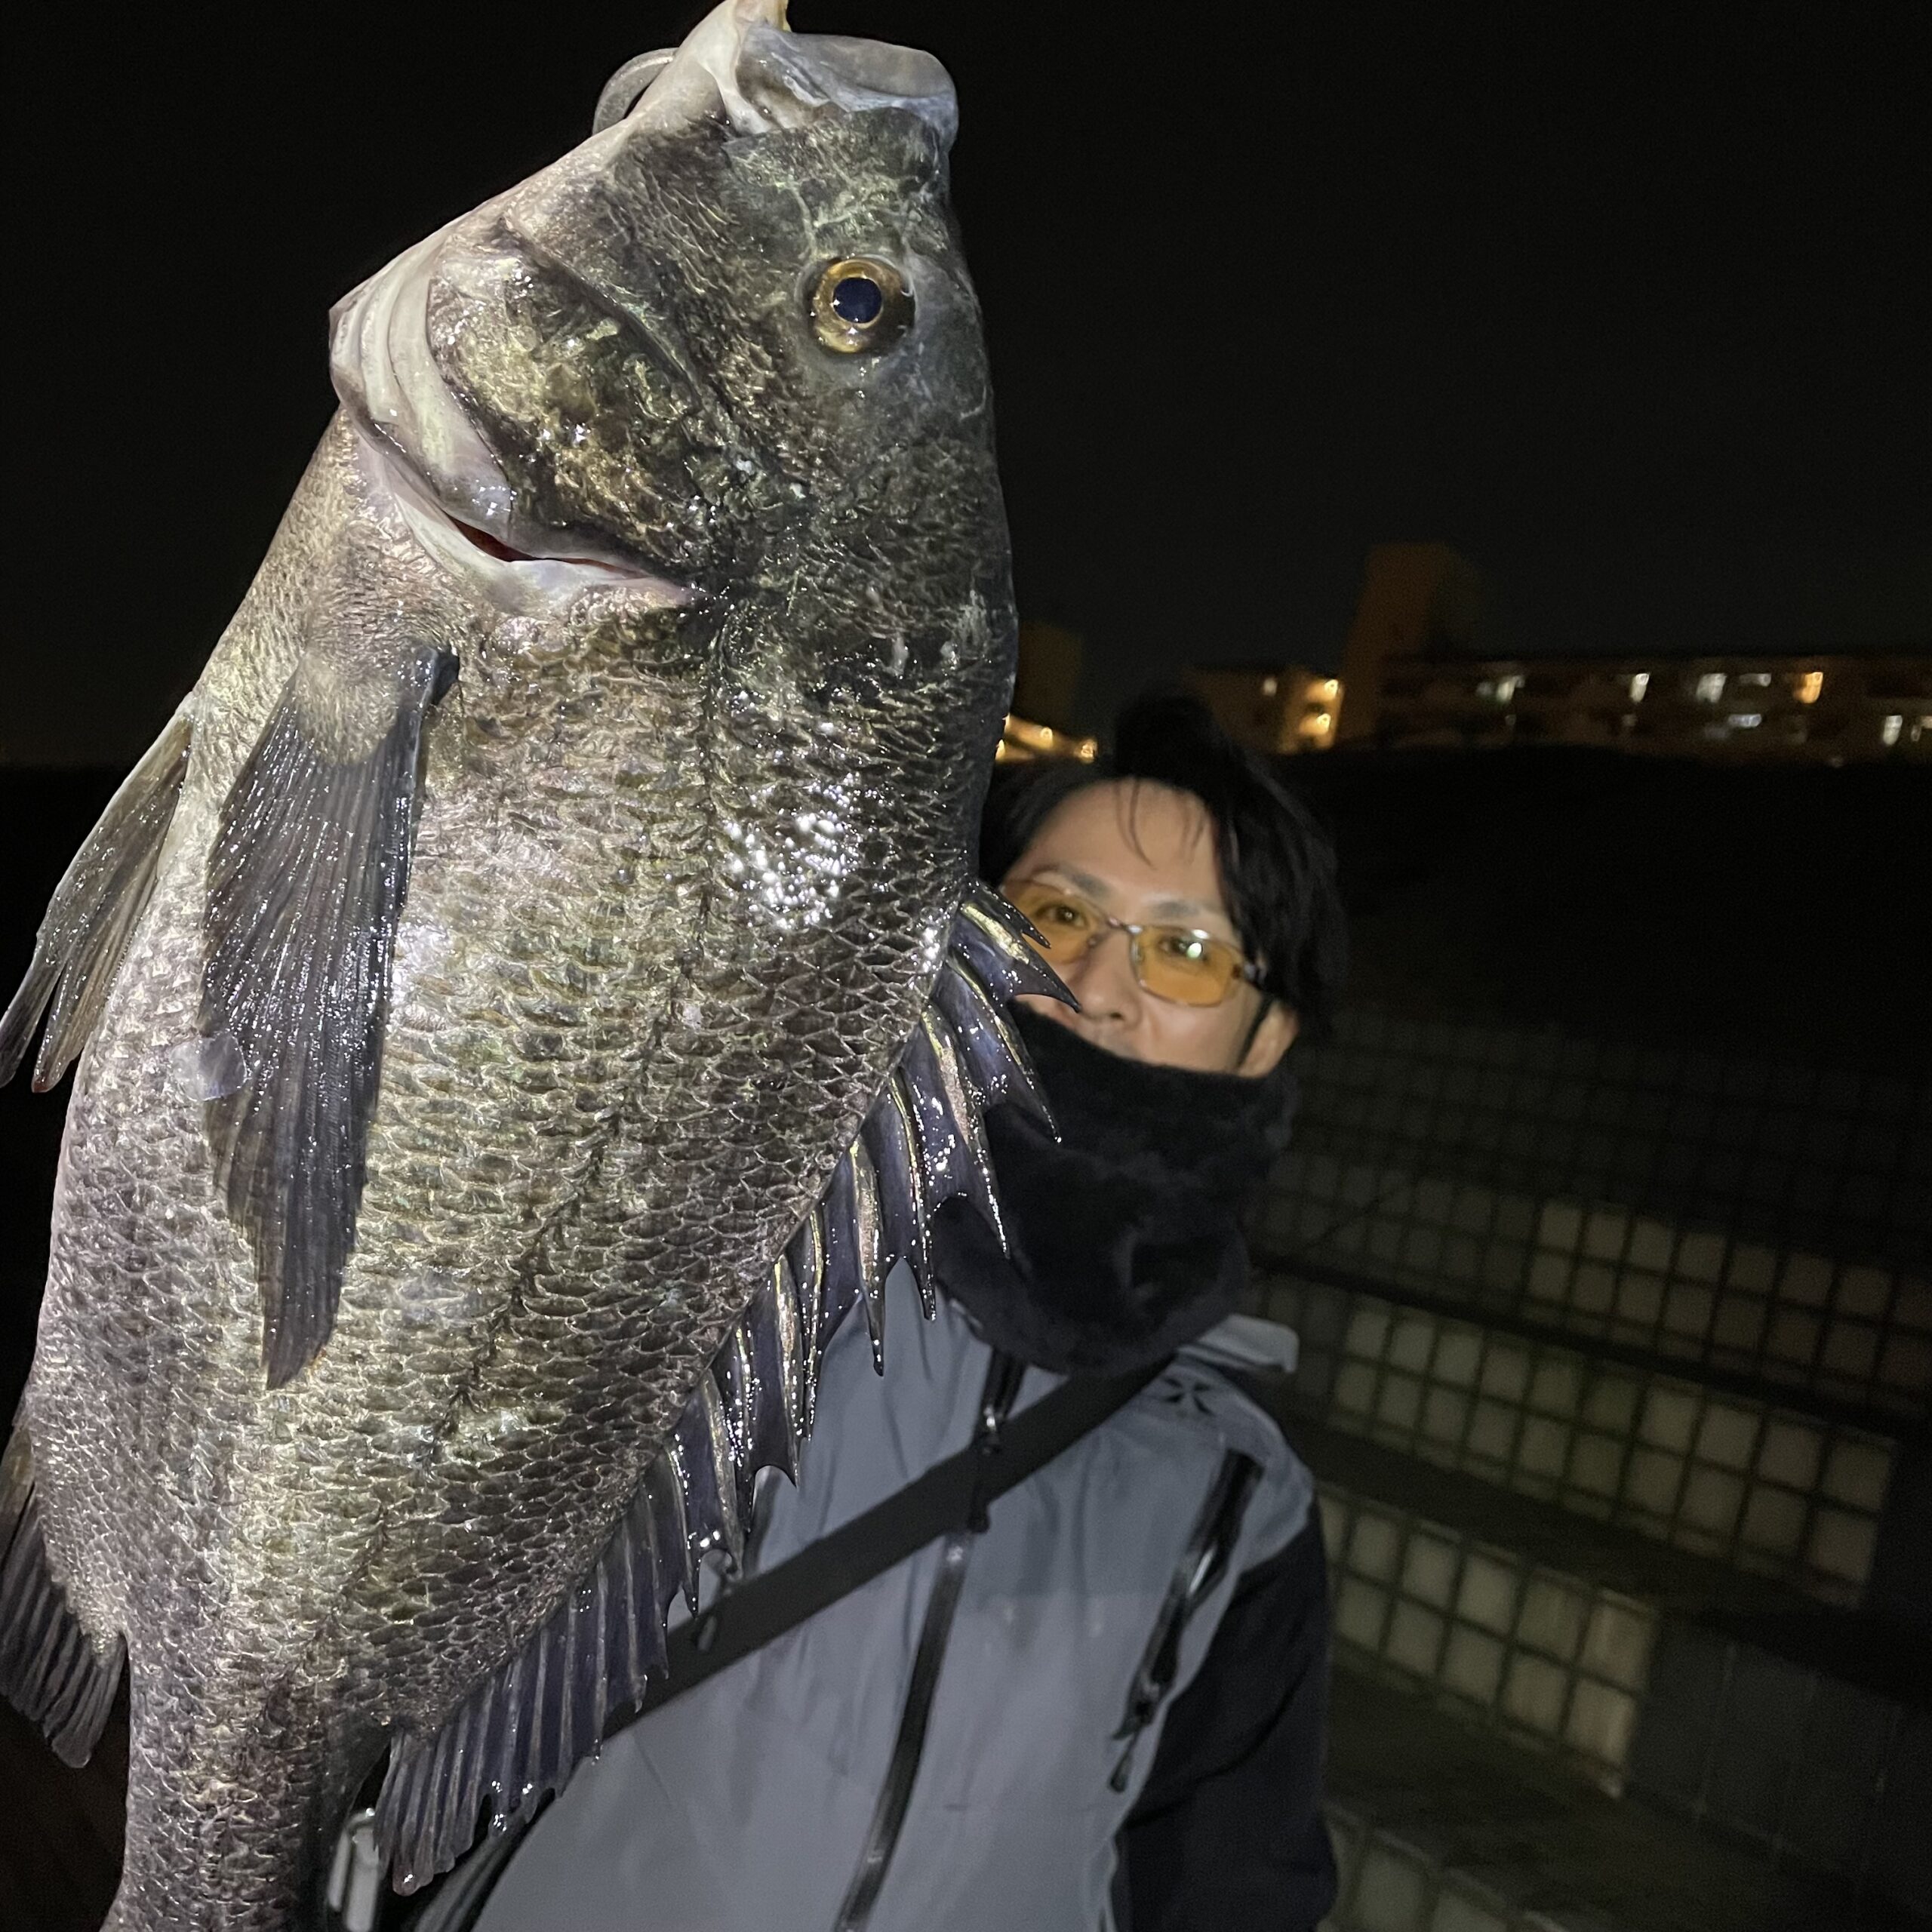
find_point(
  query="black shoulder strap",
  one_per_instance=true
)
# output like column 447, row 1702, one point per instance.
column 951, row 1495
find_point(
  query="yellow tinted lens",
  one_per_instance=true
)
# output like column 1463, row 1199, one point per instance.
column 1187, row 966
column 1067, row 925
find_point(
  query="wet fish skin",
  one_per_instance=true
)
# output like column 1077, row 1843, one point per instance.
column 689, row 832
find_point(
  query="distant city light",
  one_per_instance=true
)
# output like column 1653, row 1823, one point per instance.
column 1710, row 687
column 1640, row 682
column 1023, row 738
column 1269, row 686
column 1809, row 684
column 1746, row 720
column 1888, row 732
column 1330, row 687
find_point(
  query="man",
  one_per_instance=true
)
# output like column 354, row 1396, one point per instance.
column 1105, row 1709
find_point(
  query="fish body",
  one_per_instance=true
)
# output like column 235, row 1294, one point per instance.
column 493, row 995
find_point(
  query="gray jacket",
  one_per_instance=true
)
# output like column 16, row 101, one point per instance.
column 745, row 1804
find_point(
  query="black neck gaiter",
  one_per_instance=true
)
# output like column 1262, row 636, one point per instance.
column 1125, row 1236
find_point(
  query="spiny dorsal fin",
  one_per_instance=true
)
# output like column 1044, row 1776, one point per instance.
column 889, row 1133
column 952, row 1143
column 306, row 882
column 990, row 937
column 94, row 910
column 995, row 1062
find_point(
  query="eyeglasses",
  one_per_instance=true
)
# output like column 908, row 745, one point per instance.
column 1179, row 963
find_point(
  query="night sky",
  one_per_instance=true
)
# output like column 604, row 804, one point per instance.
column 1632, row 312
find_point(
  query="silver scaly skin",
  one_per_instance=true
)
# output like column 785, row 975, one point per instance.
column 531, row 991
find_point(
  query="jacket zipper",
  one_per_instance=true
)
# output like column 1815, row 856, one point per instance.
column 1204, row 1562
column 1004, row 1376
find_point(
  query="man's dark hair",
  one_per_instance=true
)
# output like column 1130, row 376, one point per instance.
column 1277, row 866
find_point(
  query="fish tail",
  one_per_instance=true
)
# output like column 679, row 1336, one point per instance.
column 51, row 1671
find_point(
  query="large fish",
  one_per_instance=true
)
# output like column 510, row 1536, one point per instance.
column 532, row 988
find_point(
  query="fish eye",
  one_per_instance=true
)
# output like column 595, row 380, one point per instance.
column 860, row 306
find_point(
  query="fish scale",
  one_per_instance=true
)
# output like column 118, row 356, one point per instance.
column 493, row 994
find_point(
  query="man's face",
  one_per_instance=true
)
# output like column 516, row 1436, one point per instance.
column 1144, row 854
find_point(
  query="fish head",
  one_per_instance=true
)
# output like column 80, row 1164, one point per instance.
column 724, row 357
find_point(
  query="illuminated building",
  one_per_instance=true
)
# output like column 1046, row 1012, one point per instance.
column 1287, row 708
column 1415, row 678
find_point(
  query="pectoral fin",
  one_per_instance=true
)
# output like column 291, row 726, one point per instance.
column 306, row 883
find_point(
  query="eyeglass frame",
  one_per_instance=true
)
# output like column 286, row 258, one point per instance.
column 1251, row 974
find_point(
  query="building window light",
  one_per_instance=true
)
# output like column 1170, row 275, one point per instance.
column 1269, row 686
column 1762, row 679
column 1888, row 732
column 1710, row 687
column 1501, row 689
column 1747, row 720
column 1809, row 684
column 1329, row 687
column 1640, row 682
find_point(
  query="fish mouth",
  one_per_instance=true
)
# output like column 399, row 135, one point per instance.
column 423, row 453
column 517, row 582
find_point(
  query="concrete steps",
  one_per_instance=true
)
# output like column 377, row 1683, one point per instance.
column 1858, row 1332
column 1438, row 1829
column 1800, row 1160
column 1616, row 1381
column 1721, row 1469
column 1802, row 1736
